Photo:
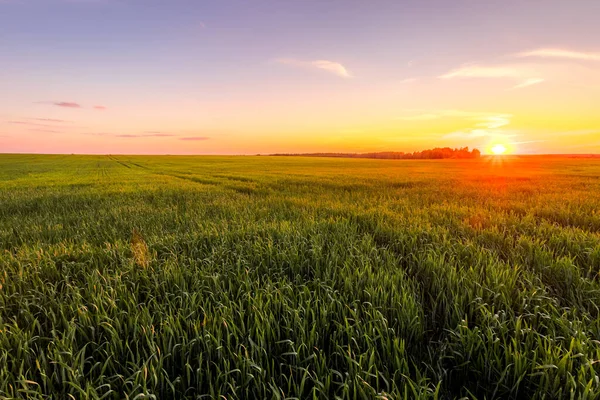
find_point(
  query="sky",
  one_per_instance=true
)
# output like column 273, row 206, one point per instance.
column 266, row 76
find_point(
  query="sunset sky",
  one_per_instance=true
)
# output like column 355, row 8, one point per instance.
column 247, row 77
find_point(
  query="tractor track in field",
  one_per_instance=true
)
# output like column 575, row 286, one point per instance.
column 119, row 161
column 129, row 164
column 197, row 180
column 132, row 165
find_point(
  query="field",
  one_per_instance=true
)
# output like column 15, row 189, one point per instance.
column 286, row 277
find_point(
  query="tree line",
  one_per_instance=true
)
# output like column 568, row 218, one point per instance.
column 430, row 154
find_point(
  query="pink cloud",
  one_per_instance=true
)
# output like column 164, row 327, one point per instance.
column 67, row 104
column 44, row 130
column 147, row 134
column 30, row 124
column 195, row 138
column 100, row 108
column 47, row 120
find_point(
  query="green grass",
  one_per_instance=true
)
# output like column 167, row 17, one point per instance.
column 264, row 277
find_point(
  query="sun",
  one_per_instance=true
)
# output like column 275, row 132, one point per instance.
column 498, row 149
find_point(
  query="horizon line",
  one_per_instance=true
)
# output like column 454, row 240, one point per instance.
column 312, row 155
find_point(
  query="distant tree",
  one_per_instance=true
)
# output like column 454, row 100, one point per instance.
column 437, row 153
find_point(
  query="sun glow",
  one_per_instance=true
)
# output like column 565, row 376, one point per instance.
column 498, row 149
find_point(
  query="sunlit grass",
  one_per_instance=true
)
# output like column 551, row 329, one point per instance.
column 262, row 277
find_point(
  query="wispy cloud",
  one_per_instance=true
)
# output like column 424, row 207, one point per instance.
column 34, row 124
column 333, row 67
column 70, row 104
column 467, row 134
column 495, row 121
column 67, row 104
column 579, row 132
column 421, row 115
column 48, row 120
column 528, row 141
column 482, row 123
column 44, row 130
column 528, row 82
column 561, row 53
column 145, row 135
column 482, row 71
column 514, row 72
column 490, row 125
column 326, row 65
column 98, row 134
column 195, row 138
column 582, row 132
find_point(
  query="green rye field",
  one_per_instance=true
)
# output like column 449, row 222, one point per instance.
column 133, row 277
